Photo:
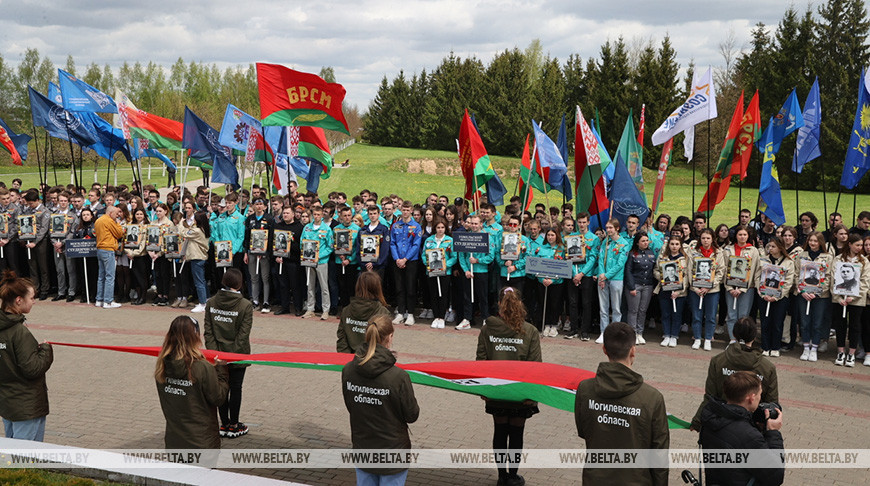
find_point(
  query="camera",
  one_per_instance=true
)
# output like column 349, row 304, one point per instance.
column 759, row 416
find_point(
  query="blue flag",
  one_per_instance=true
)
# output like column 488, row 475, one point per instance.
column 198, row 135
column 54, row 93
column 548, row 159
column 786, row 121
column 236, row 128
column 19, row 140
column 57, row 121
column 768, row 189
column 312, row 176
column 625, row 197
column 140, row 150
column 857, row 161
column 80, row 96
column 606, row 160
column 562, row 143
column 109, row 140
column 807, row 146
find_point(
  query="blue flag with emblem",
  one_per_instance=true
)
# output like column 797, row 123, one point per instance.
column 768, row 189
column 80, row 96
column 857, row 160
column 59, row 123
column 109, row 140
column 624, row 195
column 199, row 136
column 807, row 146
column 236, row 127
column 562, row 143
column 787, row 120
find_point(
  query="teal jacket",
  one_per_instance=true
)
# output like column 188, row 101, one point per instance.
column 611, row 258
column 229, row 227
column 556, row 253
column 520, row 262
column 484, row 259
column 656, row 240
column 588, row 268
column 354, row 243
column 325, row 235
column 450, row 257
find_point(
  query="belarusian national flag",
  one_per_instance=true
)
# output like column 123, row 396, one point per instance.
column 750, row 132
column 476, row 166
column 293, row 98
column 659, row 192
column 721, row 181
column 526, row 193
column 310, row 143
column 591, row 195
column 548, row 383
column 161, row 132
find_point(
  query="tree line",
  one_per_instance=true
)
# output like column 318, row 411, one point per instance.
column 425, row 109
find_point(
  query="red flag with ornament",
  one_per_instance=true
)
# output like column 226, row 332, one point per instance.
column 750, row 132
column 659, row 193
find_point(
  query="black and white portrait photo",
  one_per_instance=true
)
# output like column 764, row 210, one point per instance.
column 435, row 258
column 672, row 278
column 342, row 242
column 772, row 277
column 58, row 225
column 575, row 248
column 171, row 242
column 812, row 276
column 4, row 224
column 132, row 236
column 310, row 250
column 154, row 233
column 847, row 279
column 369, row 248
column 223, row 254
column 26, row 227
column 703, row 277
column 281, row 245
column 259, row 238
column 738, row 272
column 510, row 246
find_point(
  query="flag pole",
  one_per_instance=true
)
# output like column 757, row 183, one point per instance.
column 81, row 165
column 268, row 172
column 839, row 193
column 546, row 193
column 825, row 198
column 38, row 163
column 797, row 206
column 854, row 203
column 525, row 202
column 709, row 179
column 71, row 152
column 47, row 151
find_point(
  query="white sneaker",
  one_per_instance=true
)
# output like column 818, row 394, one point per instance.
column 823, row 346
column 600, row 339
column 673, row 342
column 111, row 305
column 696, row 344
column 398, row 319
column 640, row 340
column 409, row 320
column 198, row 308
column 554, row 331
column 867, row 360
column 814, row 355
column 450, row 316
column 850, row 360
column 441, row 324
column 98, row 304
column 806, row 354
column 665, row 341
column 774, row 353
column 464, row 325
column 841, row 358
column 435, row 323
column 265, row 309
column 708, row 345
column 684, row 328
column 765, row 353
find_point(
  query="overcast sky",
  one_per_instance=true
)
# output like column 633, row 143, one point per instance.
column 364, row 40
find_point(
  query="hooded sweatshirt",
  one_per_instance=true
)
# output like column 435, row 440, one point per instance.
column 23, row 363
column 726, row 426
column 497, row 341
column 381, row 402
column 190, row 405
column 738, row 357
column 617, row 410
column 228, row 321
column 354, row 321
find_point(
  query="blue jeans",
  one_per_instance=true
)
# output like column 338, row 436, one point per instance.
column 813, row 326
column 368, row 479
column 671, row 319
column 705, row 316
column 610, row 298
column 771, row 325
column 197, row 269
column 33, row 429
column 106, row 276
column 744, row 307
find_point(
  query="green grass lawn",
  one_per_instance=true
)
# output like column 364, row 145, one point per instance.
column 414, row 173
column 41, row 477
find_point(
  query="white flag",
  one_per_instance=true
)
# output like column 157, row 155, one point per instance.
column 700, row 106
column 689, row 143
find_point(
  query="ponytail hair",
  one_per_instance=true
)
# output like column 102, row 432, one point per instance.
column 744, row 330
column 11, row 287
column 380, row 328
column 511, row 309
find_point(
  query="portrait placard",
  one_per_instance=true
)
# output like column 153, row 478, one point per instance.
column 132, row 235
column 172, row 245
column 847, row 279
column 370, row 248
column 738, row 272
column 672, row 275
column 281, row 244
column 4, row 224
column 436, row 263
column 575, row 248
column 155, row 238
column 510, row 246
column 59, row 225
column 27, row 227
column 703, row 274
column 259, row 241
column 772, row 278
column 343, row 242
column 310, row 252
column 812, row 276
column 223, row 253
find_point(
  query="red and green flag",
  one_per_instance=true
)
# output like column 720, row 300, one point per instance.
column 160, row 132
column 750, row 132
column 294, row 98
column 721, row 182
column 526, row 193
column 548, row 383
column 14, row 143
column 310, row 143
column 476, row 166
column 588, row 169
column 664, row 163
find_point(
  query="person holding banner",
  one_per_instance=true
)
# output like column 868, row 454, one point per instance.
column 509, row 418
column 580, row 291
column 611, row 269
column 161, row 266
column 196, row 254
column 37, row 256
column 367, row 303
column 258, row 263
column 552, row 289
column 848, row 304
column 108, row 233
column 793, row 247
column 706, row 267
column 140, row 263
column 85, row 230
column 286, row 265
column 773, row 314
column 739, row 298
column 380, row 233
column 675, row 261
column 518, row 245
column 813, row 292
column 9, row 239
column 349, row 263
column 320, row 231
column 476, row 284
column 439, row 286
column 64, row 267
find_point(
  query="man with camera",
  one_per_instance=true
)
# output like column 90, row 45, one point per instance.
column 743, row 424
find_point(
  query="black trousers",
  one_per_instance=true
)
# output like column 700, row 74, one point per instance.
column 532, row 300
column 346, row 283
column 162, row 276
column 38, row 262
column 581, row 302
column 481, row 296
column 229, row 411
column 852, row 328
column 291, row 289
column 518, row 283
column 439, row 304
column 406, row 286
column 10, row 257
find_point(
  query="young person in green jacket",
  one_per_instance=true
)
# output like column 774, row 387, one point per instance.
column 580, row 291
column 612, row 254
column 439, row 240
column 515, row 268
column 349, row 264
column 318, row 230
column 551, row 288
column 476, row 268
